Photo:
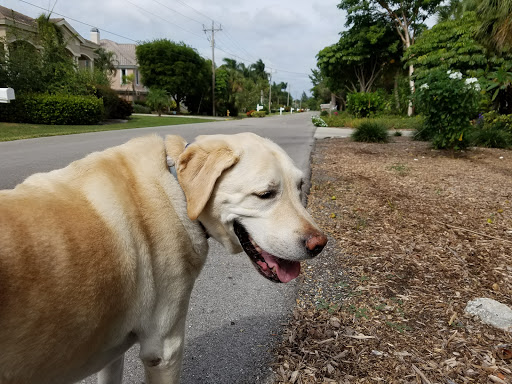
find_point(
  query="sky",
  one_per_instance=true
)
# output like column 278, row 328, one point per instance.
column 286, row 35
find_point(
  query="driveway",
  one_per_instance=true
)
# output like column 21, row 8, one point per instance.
column 235, row 314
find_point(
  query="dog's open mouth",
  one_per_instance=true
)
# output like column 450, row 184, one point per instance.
column 272, row 267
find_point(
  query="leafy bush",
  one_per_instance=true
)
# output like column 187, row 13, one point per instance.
column 158, row 99
column 495, row 120
column 318, row 121
column 138, row 108
column 123, row 110
column 365, row 104
column 53, row 109
column 115, row 107
column 390, row 122
column 448, row 103
column 491, row 138
column 492, row 130
column 324, row 113
column 249, row 113
column 258, row 114
column 370, row 132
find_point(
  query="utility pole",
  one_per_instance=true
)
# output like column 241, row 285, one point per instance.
column 288, row 100
column 213, row 30
column 270, row 92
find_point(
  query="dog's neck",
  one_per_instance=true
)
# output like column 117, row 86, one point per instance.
column 171, row 164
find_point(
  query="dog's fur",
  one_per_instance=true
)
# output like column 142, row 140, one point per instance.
column 104, row 253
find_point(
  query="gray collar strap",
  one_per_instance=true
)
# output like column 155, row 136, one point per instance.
column 172, row 164
column 172, row 168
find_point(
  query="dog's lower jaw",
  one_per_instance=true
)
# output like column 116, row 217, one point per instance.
column 219, row 232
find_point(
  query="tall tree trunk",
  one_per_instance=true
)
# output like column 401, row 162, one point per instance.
column 395, row 91
column 410, row 110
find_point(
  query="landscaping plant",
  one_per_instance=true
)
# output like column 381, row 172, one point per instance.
column 448, row 103
column 370, row 132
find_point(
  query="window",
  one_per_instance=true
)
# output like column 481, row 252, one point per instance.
column 137, row 77
column 123, row 76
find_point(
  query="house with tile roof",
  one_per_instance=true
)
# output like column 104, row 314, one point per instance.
column 15, row 26
column 126, row 65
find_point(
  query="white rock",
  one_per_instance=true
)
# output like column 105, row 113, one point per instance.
column 491, row 312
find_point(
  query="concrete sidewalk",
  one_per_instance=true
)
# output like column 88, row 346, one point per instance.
column 325, row 132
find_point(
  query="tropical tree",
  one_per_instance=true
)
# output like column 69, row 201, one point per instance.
column 175, row 67
column 408, row 17
column 450, row 44
column 158, row 99
column 105, row 61
column 496, row 24
column 363, row 52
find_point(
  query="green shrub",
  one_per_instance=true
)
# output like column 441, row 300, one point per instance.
column 390, row 122
column 324, row 113
column 364, row 104
column 492, row 130
column 249, row 113
column 115, row 107
column 448, row 103
column 318, row 121
column 138, row 108
column 53, row 109
column 491, row 138
column 370, row 132
column 124, row 109
column 258, row 114
column 497, row 121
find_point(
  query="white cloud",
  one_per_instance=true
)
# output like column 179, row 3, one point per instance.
column 288, row 34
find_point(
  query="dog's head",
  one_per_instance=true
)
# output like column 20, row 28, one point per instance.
column 246, row 191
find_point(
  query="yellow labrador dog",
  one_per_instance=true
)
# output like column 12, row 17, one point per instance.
column 104, row 253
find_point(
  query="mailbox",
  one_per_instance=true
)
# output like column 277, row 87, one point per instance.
column 6, row 95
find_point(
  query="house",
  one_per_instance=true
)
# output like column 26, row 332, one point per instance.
column 126, row 65
column 15, row 26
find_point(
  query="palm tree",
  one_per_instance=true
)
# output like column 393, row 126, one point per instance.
column 106, row 61
column 496, row 28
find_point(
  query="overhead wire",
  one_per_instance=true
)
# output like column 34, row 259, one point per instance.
column 138, row 41
column 82, row 22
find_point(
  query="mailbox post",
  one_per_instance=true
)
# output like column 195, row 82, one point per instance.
column 281, row 109
column 259, row 107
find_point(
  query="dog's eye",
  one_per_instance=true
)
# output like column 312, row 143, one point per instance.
column 266, row 194
column 300, row 184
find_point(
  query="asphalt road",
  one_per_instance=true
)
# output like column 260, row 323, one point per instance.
column 235, row 314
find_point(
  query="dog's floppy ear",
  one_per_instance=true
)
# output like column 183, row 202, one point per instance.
column 199, row 167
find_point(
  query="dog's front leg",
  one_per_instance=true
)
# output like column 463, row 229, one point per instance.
column 112, row 373
column 162, row 358
column 161, row 350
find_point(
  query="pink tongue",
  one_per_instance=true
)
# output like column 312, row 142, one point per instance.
column 286, row 270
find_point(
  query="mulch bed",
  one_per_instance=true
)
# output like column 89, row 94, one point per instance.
column 414, row 235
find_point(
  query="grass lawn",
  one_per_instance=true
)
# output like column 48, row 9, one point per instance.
column 15, row 131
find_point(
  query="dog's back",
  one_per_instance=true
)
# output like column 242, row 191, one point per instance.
column 61, row 273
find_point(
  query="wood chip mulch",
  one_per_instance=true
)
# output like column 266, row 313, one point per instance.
column 414, row 235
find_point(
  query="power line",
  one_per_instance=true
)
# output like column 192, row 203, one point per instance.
column 195, row 10
column 179, row 13
column 164, row 19
column 81, row 22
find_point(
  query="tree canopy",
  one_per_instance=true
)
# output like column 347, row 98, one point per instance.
column 174, row 67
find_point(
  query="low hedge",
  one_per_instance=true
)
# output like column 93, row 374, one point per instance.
column 138, row 108
column 53, row 109
column 258, row 114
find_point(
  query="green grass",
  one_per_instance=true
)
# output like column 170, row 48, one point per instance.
column 390, row 122
column 15, row 131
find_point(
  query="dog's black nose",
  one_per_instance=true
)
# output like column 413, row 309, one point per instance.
column 315, row 243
